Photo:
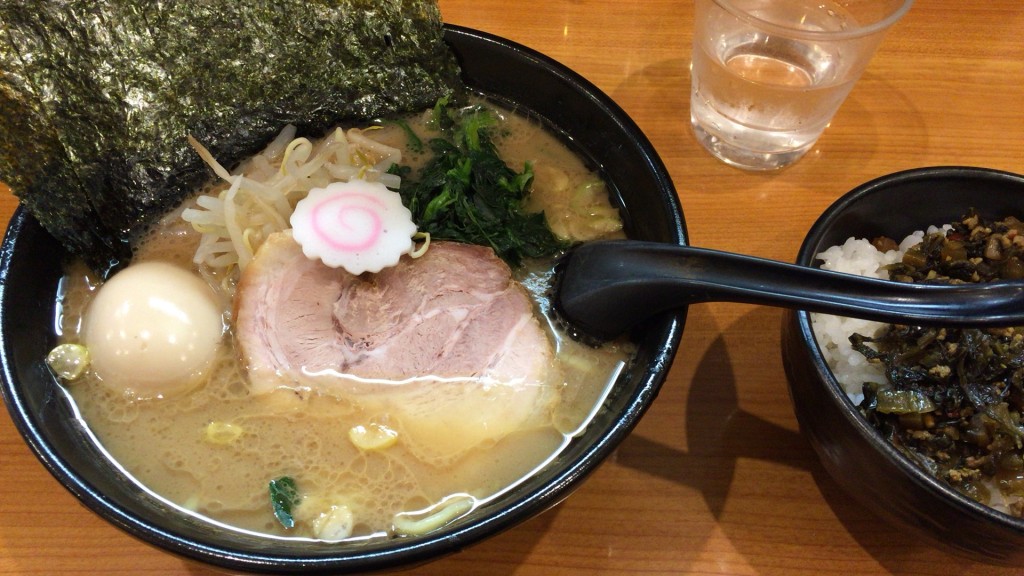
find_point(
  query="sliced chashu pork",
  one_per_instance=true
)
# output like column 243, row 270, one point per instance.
column 445, row 345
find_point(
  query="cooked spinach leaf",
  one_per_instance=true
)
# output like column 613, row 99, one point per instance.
column 467, row 193
column 953, row 398
column 284, row 495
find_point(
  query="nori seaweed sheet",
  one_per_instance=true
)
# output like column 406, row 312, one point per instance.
column 97, row 96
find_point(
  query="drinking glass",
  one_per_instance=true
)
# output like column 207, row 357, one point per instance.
column 768, row 75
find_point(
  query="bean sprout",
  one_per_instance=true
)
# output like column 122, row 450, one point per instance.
column 260, row 196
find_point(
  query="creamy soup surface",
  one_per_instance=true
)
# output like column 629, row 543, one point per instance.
column 214, row 447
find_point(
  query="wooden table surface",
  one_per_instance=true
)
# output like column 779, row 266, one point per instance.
column 740, row 492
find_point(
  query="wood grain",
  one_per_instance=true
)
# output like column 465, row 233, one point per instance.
column 717, row 478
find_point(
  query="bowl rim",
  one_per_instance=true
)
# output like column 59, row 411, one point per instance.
column 834, row 390
column 396, row 553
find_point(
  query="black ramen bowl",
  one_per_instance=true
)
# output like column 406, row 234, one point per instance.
column 509, row 73
column 864, row 463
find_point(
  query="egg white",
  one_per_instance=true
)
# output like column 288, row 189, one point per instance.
column 153, row 329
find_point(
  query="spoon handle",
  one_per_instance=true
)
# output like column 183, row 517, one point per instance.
column 603, row 288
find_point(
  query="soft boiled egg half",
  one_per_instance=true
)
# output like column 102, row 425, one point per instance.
column 152, row 330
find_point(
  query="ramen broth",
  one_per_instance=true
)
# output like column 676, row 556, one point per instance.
column 213, row 449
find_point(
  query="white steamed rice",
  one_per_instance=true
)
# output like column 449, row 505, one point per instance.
column 855, row 256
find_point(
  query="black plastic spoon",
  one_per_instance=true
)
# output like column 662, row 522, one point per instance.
column 603, row 288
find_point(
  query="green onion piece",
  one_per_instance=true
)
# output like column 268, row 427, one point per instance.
column 68, row 361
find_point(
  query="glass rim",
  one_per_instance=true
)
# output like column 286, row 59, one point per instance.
column 857, row 32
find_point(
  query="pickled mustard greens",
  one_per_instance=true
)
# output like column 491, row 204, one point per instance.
column 98, row 96
column 953, row 398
